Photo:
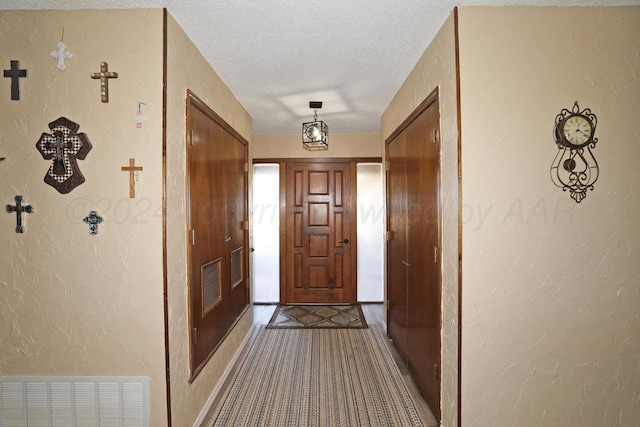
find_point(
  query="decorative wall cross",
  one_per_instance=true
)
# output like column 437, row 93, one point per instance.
column 104, row 75
column 19, row 209
column 14, row 74
column 93, row 219
column 132, row 168
column 63, row 146
column 61, row 54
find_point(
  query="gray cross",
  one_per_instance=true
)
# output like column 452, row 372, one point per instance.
column 93, row 219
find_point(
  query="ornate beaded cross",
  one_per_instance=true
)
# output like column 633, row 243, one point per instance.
column 63, row 145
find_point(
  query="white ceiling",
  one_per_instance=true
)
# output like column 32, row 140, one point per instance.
column 277, row 55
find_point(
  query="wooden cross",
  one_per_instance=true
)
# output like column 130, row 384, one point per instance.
column 18, row 209
column 61, row 54
column 132, row 168
column 15, row 73
column 104, row 75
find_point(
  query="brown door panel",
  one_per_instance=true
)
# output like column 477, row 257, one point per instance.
column 397, row 245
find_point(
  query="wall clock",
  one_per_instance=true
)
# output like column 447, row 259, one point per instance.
column 574, row 167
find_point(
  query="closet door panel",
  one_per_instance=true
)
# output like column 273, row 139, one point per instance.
column 397, row 245
column 423, row 247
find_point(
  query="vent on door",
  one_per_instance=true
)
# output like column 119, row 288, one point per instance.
column 74, row 401
column 211, row 292
column 236, row 267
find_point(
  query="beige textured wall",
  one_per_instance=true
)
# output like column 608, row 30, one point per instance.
column 188, row 69
column 551, row 301
column 437, row 68
column 340, row 145
column 72, row 303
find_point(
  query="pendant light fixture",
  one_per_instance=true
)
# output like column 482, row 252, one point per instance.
column 315, row 134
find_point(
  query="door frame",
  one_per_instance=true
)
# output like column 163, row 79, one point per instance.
column 283, row 162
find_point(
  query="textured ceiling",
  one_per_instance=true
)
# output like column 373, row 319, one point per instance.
column 277, row 55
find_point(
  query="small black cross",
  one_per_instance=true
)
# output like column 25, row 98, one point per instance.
column 18, row 209
column 15, row 73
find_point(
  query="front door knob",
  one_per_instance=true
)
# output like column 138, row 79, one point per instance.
column 345, row 241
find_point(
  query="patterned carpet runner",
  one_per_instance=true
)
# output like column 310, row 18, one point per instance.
column 318, row 316
column 316, row 377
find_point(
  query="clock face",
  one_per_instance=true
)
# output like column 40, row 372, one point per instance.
column 576, row 130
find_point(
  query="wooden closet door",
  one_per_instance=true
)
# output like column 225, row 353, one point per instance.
column 206, row 232
column 217, row 238
column 413, row 263
column 236, row 213
column 423, row 241
column 397, row 245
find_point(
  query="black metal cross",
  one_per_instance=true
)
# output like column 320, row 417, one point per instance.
column 15, row 73
column 61, row 147
column 18, row 209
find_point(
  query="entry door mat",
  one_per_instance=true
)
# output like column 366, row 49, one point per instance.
column 318, row 317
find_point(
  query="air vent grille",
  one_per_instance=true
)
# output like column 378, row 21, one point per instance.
column 74, row 401
column 211, row 291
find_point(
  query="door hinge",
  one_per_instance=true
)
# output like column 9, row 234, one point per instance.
column 191, row 137
column 246, row 167
column 435, row 254
column 194, row 335
column 244, row 225
column 435, row 136
column 389, row 235
column 387, row 165
column 436, row 373
column 193, row 237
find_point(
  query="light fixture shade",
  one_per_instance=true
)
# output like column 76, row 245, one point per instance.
column 315, row 135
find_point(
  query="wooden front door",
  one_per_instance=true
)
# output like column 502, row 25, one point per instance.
column 414, row 261
column 320, row 234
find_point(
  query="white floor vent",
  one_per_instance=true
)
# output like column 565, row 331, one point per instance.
column 74, row 402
